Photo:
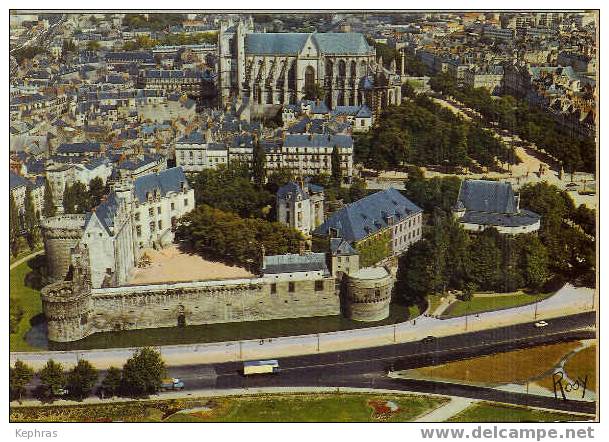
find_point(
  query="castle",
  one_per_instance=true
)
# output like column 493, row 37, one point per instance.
column 279, row 68
column 90, row 258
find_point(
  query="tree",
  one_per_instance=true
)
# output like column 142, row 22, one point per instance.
column 48, row 209
column 535, row 263
column 337, row 176
column 314, row 91
column 52, row 379
column 485, row 260
column 258, row 163
column 19, row 377
column 93, row 45
column 81, row 379
column 97, row 191
column 112, row 382
column 76, row 198
column 14, row 225
column 30, row 220
column 143, row 373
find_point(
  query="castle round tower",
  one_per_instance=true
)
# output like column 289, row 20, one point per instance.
column 61, row 234
column 369, row 294
column 66, row 306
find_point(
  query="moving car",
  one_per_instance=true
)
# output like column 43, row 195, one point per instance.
column 540, row 324
column 428, row 339
column 172, row 384
column 260, row 367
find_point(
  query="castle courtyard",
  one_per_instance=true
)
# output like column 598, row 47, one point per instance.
column 173, row 265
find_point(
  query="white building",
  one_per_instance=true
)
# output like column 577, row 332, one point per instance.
column 196, row 152
column 300, row 206
column 483, row 204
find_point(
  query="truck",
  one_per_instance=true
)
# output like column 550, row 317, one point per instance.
column 260, row 367
column 172, row 384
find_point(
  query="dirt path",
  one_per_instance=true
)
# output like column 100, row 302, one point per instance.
column 25, row 258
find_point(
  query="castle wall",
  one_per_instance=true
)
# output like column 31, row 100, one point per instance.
column 369, row 294
column 196, row 303
column 60, row 234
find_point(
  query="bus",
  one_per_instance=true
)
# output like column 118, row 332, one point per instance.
column 260, row 367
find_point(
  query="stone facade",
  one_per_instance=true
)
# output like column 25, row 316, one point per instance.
column 60, row 234
column 276, row 68
column 74, row 311
column 369, row 294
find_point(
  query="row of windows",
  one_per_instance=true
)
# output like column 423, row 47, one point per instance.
column 319, row 286
column 158, row 210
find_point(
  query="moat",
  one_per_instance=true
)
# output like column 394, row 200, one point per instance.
column 225, row 332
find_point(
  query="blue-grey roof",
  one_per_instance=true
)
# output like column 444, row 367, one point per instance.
column 317, row 140
column 309, row 262
column 523, row 218
column 369, row 215
column 292, row 43
column 66, row 148
column 170, row 180
column 15, row 181
column 339, row 246
column 487, row 196
column 292, row 190
column 106, row 212
column 192, row 138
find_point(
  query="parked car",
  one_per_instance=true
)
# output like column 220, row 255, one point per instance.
column 428, row 339
column 540, row 324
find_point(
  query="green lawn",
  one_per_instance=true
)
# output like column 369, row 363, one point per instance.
column 486, row 412
column 316, row 407
column 486, row 304
column 29, row 300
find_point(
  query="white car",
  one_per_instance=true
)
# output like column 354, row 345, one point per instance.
column 541, row 324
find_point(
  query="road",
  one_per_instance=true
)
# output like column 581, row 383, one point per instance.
column 367, row 368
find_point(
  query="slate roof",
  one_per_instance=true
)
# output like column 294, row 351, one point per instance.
column 522, row 218
column 67, row 148
column 368, row 215
column 166, row 181
column 339, row 246
column 293, row 189
column 292, row 43
column 309, row 262
column 317, row 140
column 16, row 181
column 487, row 196
column 105, row 212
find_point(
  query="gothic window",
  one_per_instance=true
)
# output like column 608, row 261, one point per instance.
column 329, row 69
column 342, row 68
column 309, row 78
column 353, row 69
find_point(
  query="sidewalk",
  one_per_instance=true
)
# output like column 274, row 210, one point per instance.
column 445, row 412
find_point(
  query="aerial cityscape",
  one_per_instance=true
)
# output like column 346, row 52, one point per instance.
column 247, row 216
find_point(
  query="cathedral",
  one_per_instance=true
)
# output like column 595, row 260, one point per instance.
column 269, row 69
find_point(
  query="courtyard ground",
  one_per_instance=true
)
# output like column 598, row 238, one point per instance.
column 173, row 265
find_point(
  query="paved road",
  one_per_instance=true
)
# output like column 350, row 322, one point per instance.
column 368, row 368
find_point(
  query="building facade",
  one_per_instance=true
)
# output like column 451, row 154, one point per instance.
column 300, row 206
column 277, row 68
